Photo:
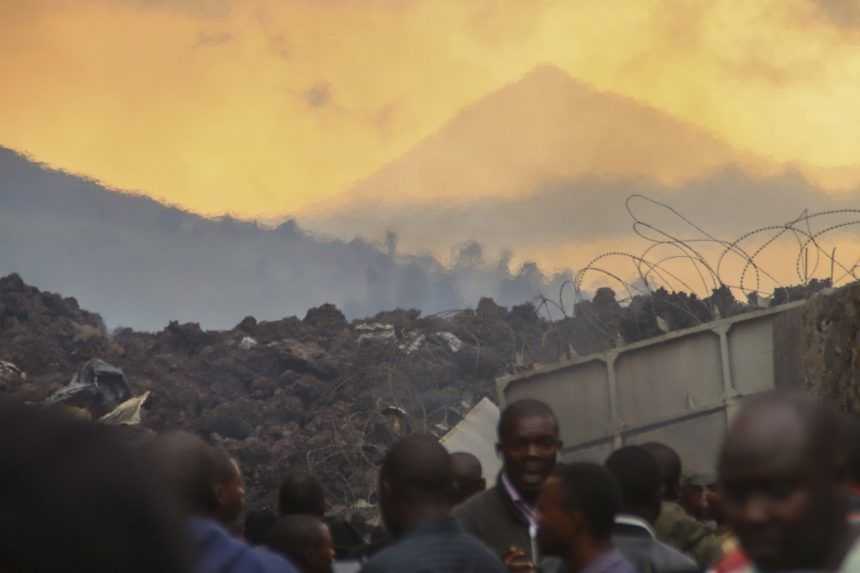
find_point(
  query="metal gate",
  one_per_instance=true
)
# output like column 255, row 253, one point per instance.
column 681, row 388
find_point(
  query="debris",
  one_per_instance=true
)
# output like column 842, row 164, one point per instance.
column 454, row 343
column 362, row 504
column 375, row 332
column 315, row 393
column 398, row 419
column 127, row 413
column 415, row 345
column 10, row 372
column 97, row 387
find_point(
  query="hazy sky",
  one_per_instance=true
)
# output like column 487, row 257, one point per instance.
column 264, row 107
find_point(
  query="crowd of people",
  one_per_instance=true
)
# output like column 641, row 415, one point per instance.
column 77, row 496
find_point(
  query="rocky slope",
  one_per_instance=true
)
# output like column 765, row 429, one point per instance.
column 318, row 393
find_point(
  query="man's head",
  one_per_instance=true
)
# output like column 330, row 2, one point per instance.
column 779, row 469
column 670, row 466
column 229, row 490
column 191, row 470
column 301, row 494
column 305, row 540
column 414, row 482
column 577, row 510
column 638, row 477
column 528, row 443
column 697, row 496
column 258, row 525
column 74, row 497
column 468, row 477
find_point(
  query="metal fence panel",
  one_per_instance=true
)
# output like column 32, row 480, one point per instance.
column 664, row 380
column 680, row 389
column 696, row 439
column 581, row 405
column 751, row 351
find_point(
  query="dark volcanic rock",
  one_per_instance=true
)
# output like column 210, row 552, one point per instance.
column 312, row 393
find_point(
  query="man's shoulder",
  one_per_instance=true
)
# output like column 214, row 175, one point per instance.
column 415, row 549
column 671, row 559
column 672, row 510
column 648, row 554
column 218, row 551
column 675, row 521
column 384, row 560
column 683, row 531
column 478, row 503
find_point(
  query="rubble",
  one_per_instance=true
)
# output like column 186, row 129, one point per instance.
column 96, row 387
column 454, row 343
column 375, row 332
column 10, row 376
column 126, row 414
column 317, row 393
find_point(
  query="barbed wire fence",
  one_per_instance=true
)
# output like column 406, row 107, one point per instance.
column 650, row 270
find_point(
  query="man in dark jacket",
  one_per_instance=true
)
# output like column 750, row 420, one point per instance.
column 414, row 495
column 504, row 517
column 638, row 477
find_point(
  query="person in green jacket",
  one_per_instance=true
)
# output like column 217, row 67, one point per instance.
column 674, row 525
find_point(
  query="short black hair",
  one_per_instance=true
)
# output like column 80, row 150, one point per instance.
column 590, row 489
column 301, row 494
column 293, row 535
column 467, row 464
column 258, row 525
column 76, row 497
column 525, row 408
column 638, row 476
column 822, row 426
column 670, row 466
column 418, row 468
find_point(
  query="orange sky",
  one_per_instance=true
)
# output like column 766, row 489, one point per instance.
column 265, row 107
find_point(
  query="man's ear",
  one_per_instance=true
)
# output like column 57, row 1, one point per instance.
column 499, row 449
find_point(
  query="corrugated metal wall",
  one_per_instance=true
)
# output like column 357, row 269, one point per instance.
column 681, row 388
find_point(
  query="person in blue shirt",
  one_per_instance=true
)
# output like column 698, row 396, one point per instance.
column 193, row 472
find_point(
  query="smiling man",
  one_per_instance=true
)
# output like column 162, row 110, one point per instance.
column 779, row 479
column 504, row 517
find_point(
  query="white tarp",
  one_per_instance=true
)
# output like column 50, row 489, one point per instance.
column 476, row 434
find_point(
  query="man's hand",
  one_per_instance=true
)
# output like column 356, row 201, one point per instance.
column 518, row 561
